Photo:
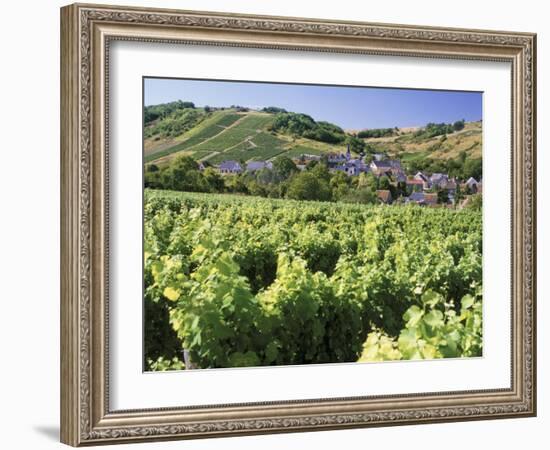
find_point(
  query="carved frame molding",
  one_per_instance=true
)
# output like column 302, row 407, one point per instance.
column 86, row 32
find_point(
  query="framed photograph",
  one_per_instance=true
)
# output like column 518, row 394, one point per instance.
column 276, row 224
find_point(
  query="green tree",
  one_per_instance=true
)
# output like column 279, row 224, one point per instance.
column 384, row 183
column 283, row 168
column 434, row 129
column 401, row 189
column 307, row 186
column 214, row 180
column 339, row 178
column 154, row 112
column 371, row 182
column 311, row 164
column 236, row 183
column 153, row 180
column 442, row 196
column 274, row 109
column 183, row 174
column 340, row 185
column 185, row 163
column 356, row 145
column 454, row 167
column 361, row 180
column 265, row 176
column 377, row 132
column 458, row 125
column 473, row 168
column 362, row 195
column 304, row 125
column 255, row 188
column 321, row 171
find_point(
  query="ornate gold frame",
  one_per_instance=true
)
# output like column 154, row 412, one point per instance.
column 86, row 31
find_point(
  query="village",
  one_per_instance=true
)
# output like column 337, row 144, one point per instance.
column 421, row 188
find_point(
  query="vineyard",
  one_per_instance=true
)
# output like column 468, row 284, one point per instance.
column 247, row 281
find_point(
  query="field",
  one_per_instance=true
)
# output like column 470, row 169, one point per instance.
column 248, row 281
column 207, row 129
column 405, row 146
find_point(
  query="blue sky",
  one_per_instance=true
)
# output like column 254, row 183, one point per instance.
column 348, row 107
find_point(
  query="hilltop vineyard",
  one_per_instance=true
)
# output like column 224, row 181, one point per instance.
column 249, row 281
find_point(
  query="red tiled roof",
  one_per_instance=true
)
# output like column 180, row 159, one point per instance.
column 384, row 195
column 430, row 198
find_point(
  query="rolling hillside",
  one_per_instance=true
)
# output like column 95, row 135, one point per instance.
column 405, row 146
column 240, row 134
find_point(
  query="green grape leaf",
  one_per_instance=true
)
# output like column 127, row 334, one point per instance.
column 467, row 301
column 413, row 315
column 431, row 298
column 434, row 318
column 171, row 293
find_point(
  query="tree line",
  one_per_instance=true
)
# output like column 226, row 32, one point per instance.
column 438, row 129
column 155, row 112
column 461, row 167
column 284, row 180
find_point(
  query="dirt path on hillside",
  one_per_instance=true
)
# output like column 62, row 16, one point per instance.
column 248, row 139
column 207, row 157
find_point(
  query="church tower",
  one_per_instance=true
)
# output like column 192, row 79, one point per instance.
column 348, row 154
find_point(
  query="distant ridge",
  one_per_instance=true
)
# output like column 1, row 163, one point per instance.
column 238, row 133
